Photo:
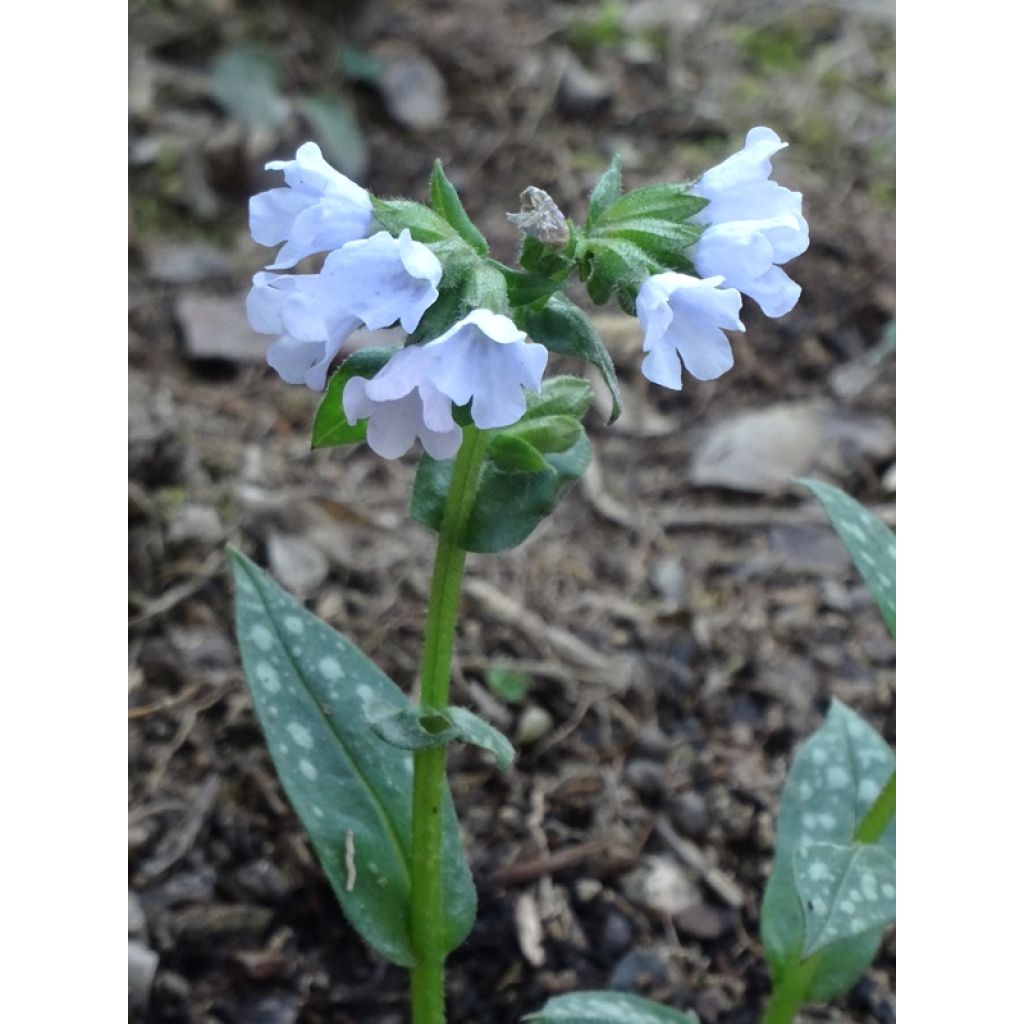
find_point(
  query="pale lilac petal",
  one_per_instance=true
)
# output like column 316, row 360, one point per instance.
column 383, row 280
column 485, row 359
column 753, row 225
column 698, row 312
column 401, row 404
column 320, row 209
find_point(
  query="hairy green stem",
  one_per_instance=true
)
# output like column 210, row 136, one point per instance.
column 882, row 811
column 429, row 765
column 791, row 992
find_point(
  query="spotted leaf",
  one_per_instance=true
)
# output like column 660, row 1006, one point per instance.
column 834, row 781
column 844, row 890
column 872, row 545
column 607, row 1008
column 312, row 689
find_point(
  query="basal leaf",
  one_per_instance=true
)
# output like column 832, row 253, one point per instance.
column 834, row 781
column 445, row 201
column 607, row 1008
column 245, row 83
column 562, row 327
column 844, row 891
column 871, row 544
column 330, row 425
column 311, row 688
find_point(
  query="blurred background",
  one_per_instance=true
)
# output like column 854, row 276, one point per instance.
column 656, row 649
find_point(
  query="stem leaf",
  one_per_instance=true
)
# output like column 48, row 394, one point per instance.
column 418, row 728
column 607, row 1008
column 330, row 425
column 312, row 689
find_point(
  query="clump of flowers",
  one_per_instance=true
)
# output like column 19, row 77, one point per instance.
column 677, row 255
column 361, row 762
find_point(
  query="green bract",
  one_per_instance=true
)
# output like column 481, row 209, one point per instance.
column 312, row 690
column 526, row 470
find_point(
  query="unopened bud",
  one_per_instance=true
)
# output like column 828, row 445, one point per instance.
column 540, row 217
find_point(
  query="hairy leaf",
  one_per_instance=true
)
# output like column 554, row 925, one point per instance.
column 312, row 688
column 394, row 215
column 330, row 425
column 445, row 201
column 606, row 191
column 562, row 327
column 335, row 125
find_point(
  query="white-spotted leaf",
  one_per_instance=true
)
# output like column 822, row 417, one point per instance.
column 834, row 781
column 844, row 890
column 872, row 545
column 607, row 1008
column 311, row 688
column 417, row 728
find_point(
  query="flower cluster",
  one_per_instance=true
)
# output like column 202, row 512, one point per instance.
column 377, row 278
column 752, row 225
column 374, row 282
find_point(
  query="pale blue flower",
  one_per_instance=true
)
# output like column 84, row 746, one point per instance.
column 683, row 319
column 372, row 282
column 486, row 359
column 402, row 404
column 319, row 210
column 754, row 224
column 310, row 336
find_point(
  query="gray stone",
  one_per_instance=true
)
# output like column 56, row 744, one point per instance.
column 299, row 565
column 215, row 327
column 142, row 964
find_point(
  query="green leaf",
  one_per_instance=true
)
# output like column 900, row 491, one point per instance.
column 311, row 688
column 525, row 289
column 559, row 396
column 546, row 434
column 538, row 258
column 394, row 215
column 417, row 728
column 673, row 202
column 562, row 327
column 606, row 191
column 607, row 1008
column 508, row 684
column 335, row 126
column 844, row 891
column 330, row 425
column 509, row 506
column 871, row 544
column 445, row 201
column 245, row 84
column 515, row 454
column 835, row 779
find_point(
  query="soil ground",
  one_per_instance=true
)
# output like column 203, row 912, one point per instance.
column 680, row 640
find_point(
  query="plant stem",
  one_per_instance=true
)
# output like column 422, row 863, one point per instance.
column 882, row 811
column 791, row 993
column 796, row 982
column 429, row 765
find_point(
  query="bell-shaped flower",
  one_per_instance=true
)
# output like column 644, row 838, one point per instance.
column 683, row 318
column 318, row 210
column 401, row 404
column 486, row 359
column 754, row 225
column 373, row 282
column 382, row 280
column 310, row 333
